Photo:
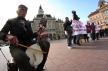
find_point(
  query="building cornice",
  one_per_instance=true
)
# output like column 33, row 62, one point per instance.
column 93, row 13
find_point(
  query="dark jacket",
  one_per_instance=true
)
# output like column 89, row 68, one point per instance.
column 88, row 28
column 19, row 27
column 93, row 27
column 67, row 26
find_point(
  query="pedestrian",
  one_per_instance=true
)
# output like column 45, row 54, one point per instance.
column 88, row 29
column 84, row 33
column 68, row 31
column 93, row 31
column 98, row 27
column 76, row 28
column 102, row 32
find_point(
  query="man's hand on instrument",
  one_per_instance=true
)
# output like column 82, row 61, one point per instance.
column 12, row 39
column 44, row 33
column 65, row 32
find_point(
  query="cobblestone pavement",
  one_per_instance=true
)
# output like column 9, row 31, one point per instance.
column 92, row 56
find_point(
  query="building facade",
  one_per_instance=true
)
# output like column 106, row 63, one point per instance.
column 104, row 11
column 54, row 27
column 100, row 15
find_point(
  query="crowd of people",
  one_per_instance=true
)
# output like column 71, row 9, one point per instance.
column 75, row 30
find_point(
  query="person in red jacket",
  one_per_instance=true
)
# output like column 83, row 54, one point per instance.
column 88, row 27
column 93, row 31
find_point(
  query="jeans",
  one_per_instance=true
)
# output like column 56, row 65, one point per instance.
column 69, row 38
column 77, row 39
column 21, row 59
column 97, row 36
column 93, row 35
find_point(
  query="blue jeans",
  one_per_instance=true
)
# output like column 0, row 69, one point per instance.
column 76, row 39
column 69, row 38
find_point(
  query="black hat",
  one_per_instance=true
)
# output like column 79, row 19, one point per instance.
column 75, row 16
column 21, row 6
column 73, row 11
column 66, row 17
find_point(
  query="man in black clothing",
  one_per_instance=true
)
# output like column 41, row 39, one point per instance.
column 20, row 33
column 68, row 30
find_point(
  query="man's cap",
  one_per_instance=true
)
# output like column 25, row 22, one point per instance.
column 21, row 6
column 73, row 11
column 66, row 18
column 75, row 16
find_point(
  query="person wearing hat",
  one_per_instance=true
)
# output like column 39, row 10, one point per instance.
column 75, row 24
column 20, row 33
column 75, row 16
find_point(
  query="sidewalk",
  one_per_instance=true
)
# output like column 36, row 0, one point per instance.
column 91, row 56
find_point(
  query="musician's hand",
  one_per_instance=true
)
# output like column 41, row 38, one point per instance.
column 44, row 33
column 12, row 39
column 65, row 32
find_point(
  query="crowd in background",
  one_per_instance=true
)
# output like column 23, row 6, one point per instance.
column 76, row 30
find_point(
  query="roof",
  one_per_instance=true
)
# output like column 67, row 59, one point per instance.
column 93, row 13
column 40, row 7
column 41, row 16
column 48, row 15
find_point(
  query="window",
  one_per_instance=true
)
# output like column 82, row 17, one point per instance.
column 106, row 21
column 106, row 12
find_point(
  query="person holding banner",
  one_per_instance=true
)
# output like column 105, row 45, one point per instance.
column 84, row 32
column 98, row 27
column 76, row 24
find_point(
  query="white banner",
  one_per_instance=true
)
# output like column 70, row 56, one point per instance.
column 97, row 29
column 78, row 27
